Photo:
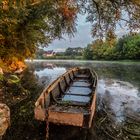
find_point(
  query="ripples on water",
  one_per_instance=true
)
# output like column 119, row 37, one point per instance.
column 119, row 83
column 118, row 86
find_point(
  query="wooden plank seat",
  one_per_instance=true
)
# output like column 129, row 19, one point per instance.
column 81, row 80
column 74, row 89
column 81, row 84
column 77, row 95
column 82, row 76
column 79, row 91
column 73, row 109
column 75, row 92
column 72, row 103
column 75, row 98
column 71, row 100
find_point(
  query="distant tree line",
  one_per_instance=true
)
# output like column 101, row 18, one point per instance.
column 77, row 51
column 27, row 24
column 69, row 53
column 127, row 47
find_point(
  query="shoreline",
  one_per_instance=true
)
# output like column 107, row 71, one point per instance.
column 88, row 61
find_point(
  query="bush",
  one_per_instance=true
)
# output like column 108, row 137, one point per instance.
column 88, row 53
column 127, row 47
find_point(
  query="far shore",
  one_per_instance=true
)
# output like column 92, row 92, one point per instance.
column 84, row 61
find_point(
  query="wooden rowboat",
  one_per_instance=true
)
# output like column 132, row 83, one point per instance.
column 70, row 99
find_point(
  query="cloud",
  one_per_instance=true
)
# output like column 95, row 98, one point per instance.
column 81, row 38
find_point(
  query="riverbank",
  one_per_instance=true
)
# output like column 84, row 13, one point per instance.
column 80, row 58
column 125, row 62
column 23, row 125
column 64, row 57
column 116, row 110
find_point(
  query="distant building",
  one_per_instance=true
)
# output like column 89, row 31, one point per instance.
column 49, row 53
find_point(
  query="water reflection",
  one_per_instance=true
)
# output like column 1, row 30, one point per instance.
column 118, row 92
column 48, row 73
column 118, row 97
column 53, row 72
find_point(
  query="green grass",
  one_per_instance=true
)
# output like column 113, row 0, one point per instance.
column 65, row 57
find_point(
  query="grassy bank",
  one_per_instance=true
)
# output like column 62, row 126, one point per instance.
column 65, row 57
column 82, row 59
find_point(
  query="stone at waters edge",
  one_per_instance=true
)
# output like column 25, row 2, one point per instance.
column 4, row 119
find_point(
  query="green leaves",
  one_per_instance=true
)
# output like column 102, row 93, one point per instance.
column 88, row 52
column 127, row 47
column 13, row 79
column 104, row 15
column 1, row 77
column 25, row 26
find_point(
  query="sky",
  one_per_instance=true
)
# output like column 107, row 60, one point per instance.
column 81, row 38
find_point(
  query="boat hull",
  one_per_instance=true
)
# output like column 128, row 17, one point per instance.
column 64, row 118
column 70, row 99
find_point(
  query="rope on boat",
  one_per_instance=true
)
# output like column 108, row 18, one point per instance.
column 47, row 125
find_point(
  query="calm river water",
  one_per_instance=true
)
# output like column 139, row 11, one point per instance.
column 118, row 100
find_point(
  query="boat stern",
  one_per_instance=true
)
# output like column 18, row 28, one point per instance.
column 66, row 118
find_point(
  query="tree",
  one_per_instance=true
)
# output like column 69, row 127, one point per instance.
column 88, row 52
column 129, row 46
column 111, row 38
column 26, row 24
column 74, row 51
column 105, row 15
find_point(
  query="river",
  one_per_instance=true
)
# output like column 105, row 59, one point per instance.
column 118, row 102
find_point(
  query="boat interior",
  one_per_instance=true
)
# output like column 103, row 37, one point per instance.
column 75, row 88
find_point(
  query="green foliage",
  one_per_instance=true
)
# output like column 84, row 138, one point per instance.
column 88, row 52
column 63, row 57
column 69, row 53
column 106, row 14
column 39, row 53
column 11, row 85
column 1, row 77
column 13, row 79
column 73, row 51
column 24, row 27
column 127, row 47
column 7, row 80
